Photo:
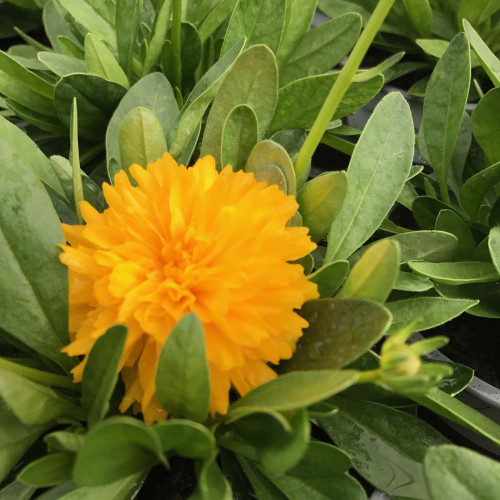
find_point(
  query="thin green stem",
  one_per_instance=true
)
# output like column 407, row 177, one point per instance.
column 340, row 86
column 37, row 375
column 176, row 42
column 369, row 376
column 75, row 162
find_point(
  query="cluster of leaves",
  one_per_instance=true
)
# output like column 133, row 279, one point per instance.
column 458, row 195
column 423, row 30
column 249, row 97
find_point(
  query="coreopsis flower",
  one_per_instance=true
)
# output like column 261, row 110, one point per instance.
column 189, row 240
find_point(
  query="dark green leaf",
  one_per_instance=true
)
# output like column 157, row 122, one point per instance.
column 115, row 449
column 449, row 221
column 340, row 330
column 96, row 97
column 101, row 373
column 182, row 378
column 457, row 273
column 329, row 278
column 49, row 470
column 123, row 489
column 426, row 210
column 300, row 101
column 387, row 446
column 127, row 20
column 322, row 48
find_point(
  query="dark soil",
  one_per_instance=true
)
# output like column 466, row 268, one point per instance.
column 474, row 342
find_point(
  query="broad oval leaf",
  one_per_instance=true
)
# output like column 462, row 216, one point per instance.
column 141, row 139
column 252, row 80
column 182, row 377
column 339, row 332
column 378, row 170
column 152, row 92
column 49, row 470
column 374, row 275
column 239, row 136
column 115, row 449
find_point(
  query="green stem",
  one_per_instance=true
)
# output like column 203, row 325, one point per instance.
column 369, row 376
column 443, row 187
column 176, row 42
column 340, row 86
column 37, row 375
column 75, row 162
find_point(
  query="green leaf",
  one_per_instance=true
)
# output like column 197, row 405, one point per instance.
column 101, row 373
column 295, row 390
column 212, row 485
column 49, row 470
column 182, row 378
column 65, row 441
column 17, row 490
column 32, row 403
column 298, row 19
column 444, row 105
column 25, row 87
column 152, row 92
column 101, row 62
column 329, row 278
column 127, row 20
column 263, row 487
column 431, row 246
column 452, row 223
column 264, row 158
column 123, row 489
column 426, row 210
column 93, row 16
column 420, row 13
column 263, row 438
column 158, row 37
column 488, row 295
column 115, row 449
column 299, row 102
column 374, row 275
column 433, row 47
column 457, row 273
column 489, row 60
column 70, row 48
column 185, row 438
column 476, row 11
column 387, row 446
column 322, row 48
column 33, row 283
column 453, row 409
column 15, row 439
column 96, row 97
column 141, row 138
column 215, row 18
column 191, row 52
column 494, row 246
column 260, row 21
column 320, row 201
column 339, row 332
column 409, row 282
column 377, row 173
column 200, row 98
column 476, row 187
column 239, row 136
column 252, row 80
column 60, row 64
column 428, row 311
column 452, row 472
column 486, row 124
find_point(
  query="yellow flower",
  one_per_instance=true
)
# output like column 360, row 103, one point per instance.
column 189, row 240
